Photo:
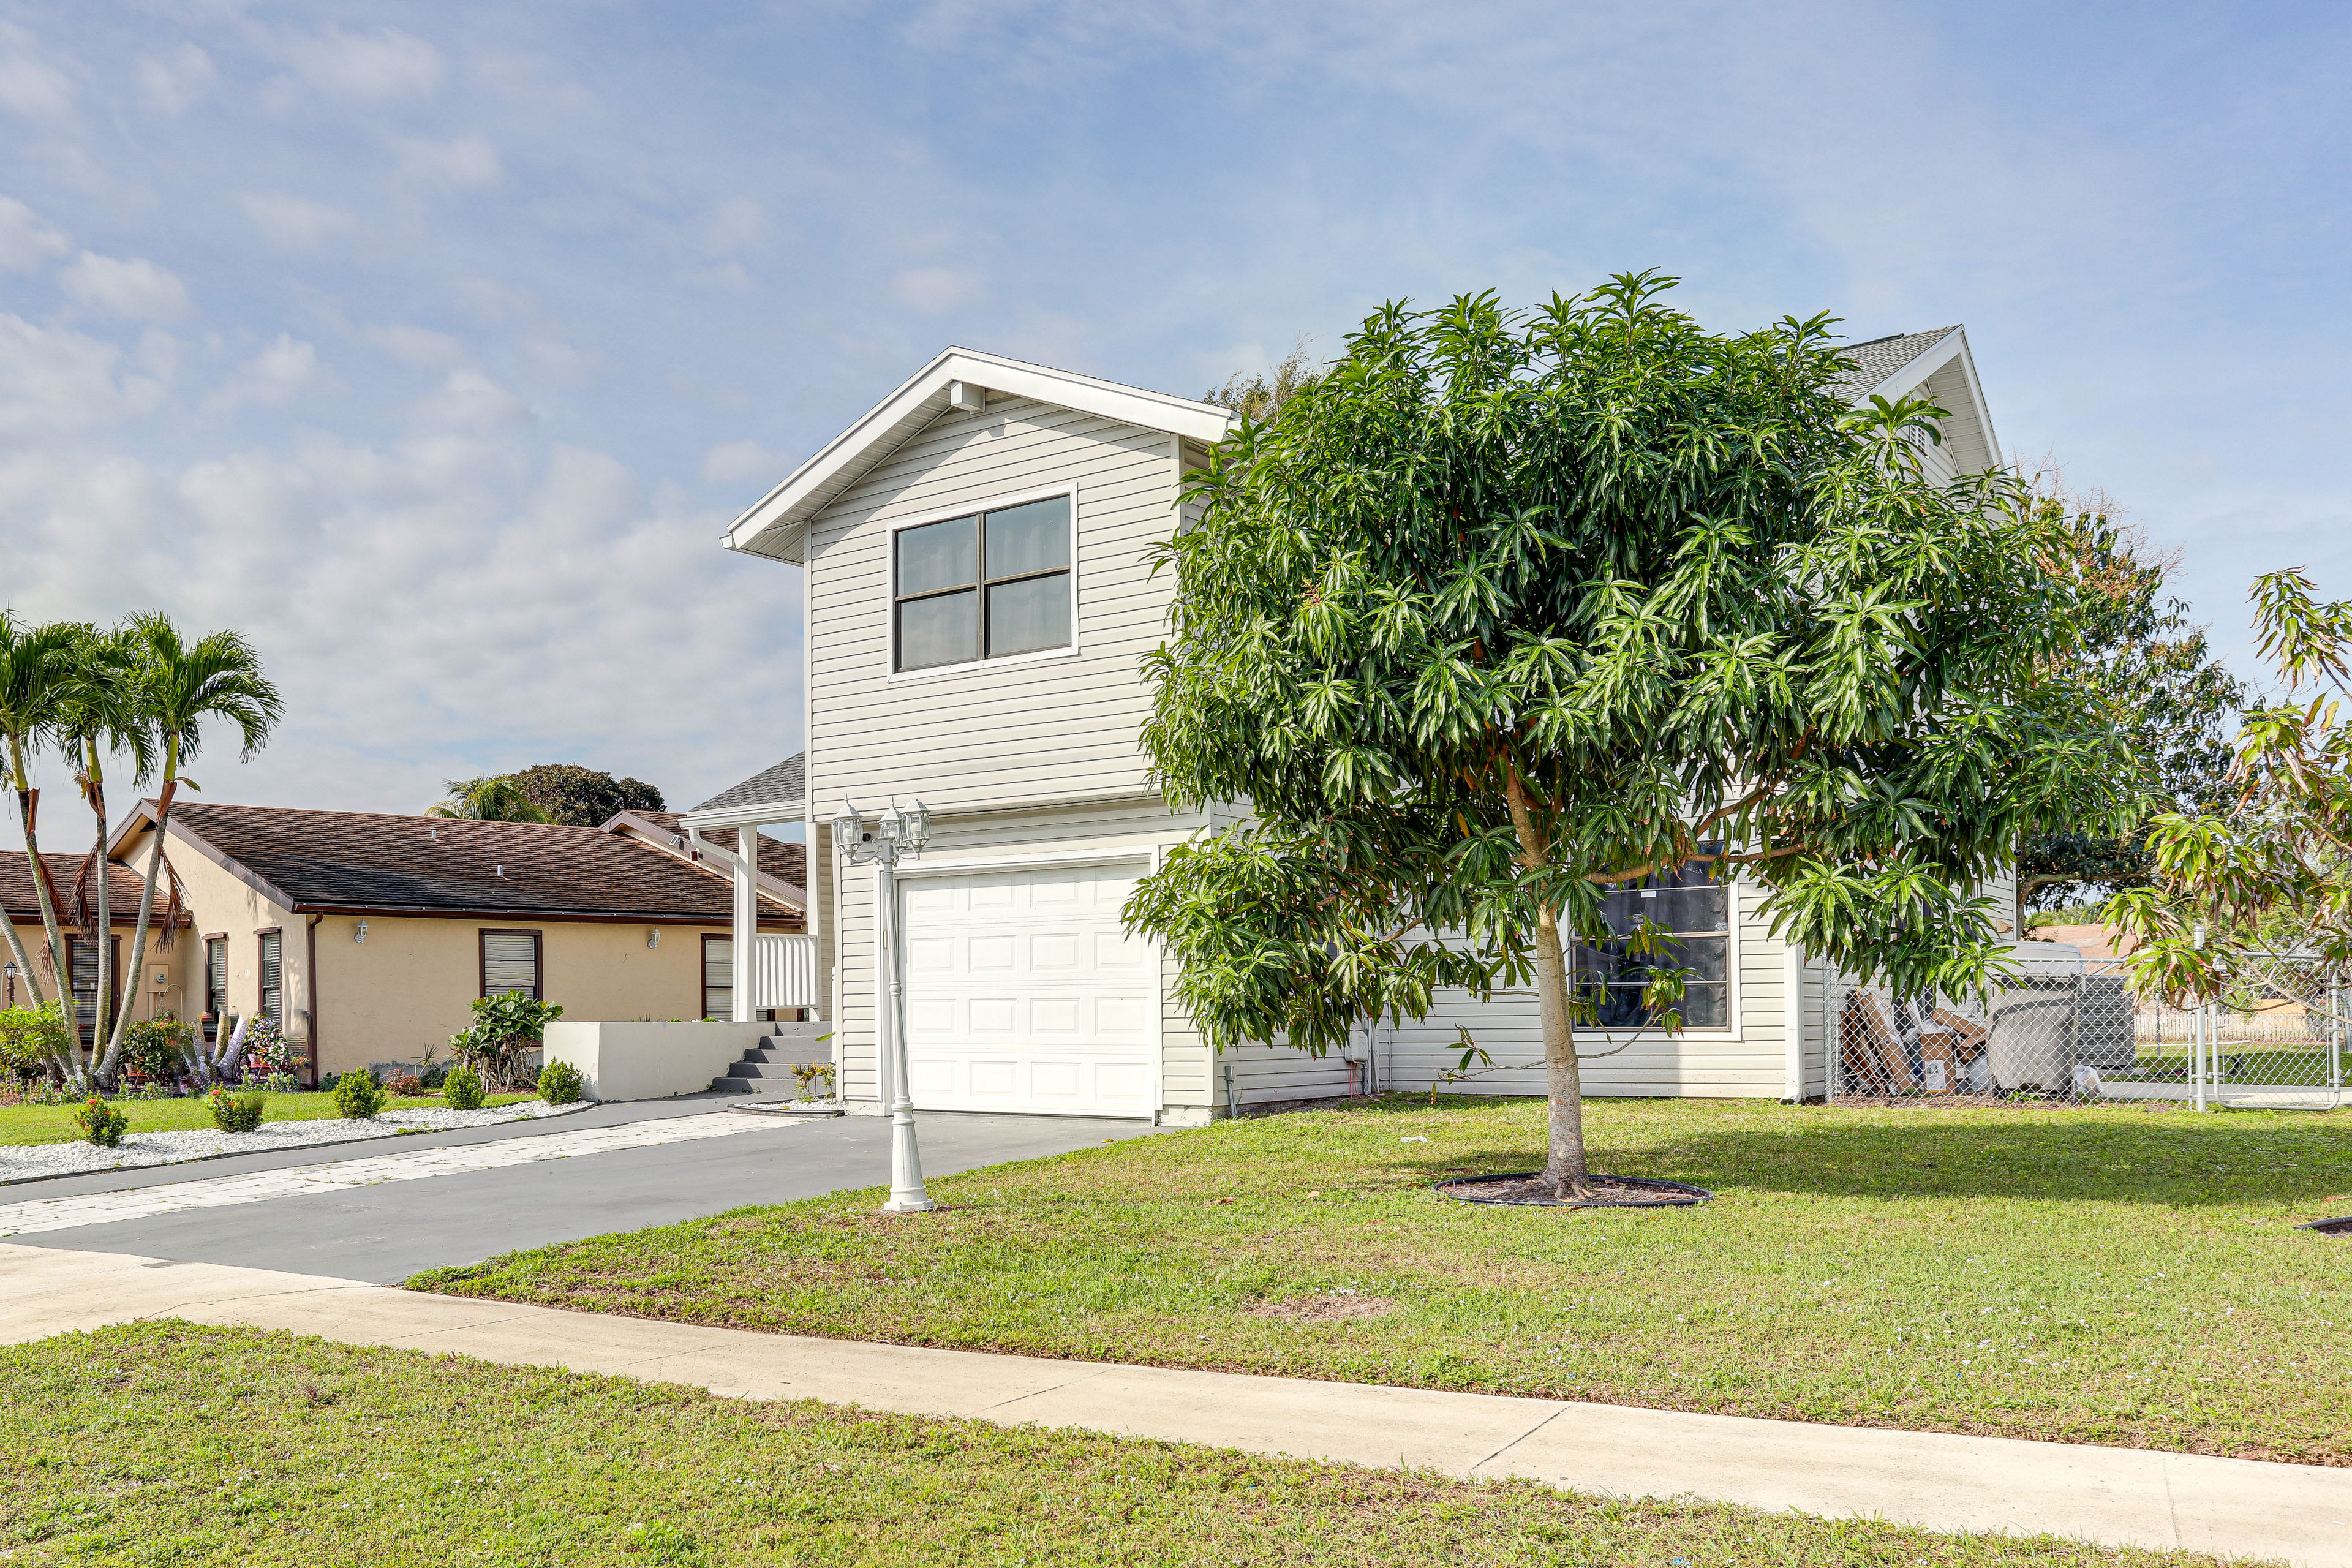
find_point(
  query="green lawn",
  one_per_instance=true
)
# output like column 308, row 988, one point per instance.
column 2105, row 1275
column 55, row 1123
column 166, row 1442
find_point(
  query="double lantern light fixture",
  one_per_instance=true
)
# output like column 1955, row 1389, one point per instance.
column 896, row 833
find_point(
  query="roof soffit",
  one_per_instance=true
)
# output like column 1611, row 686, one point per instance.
column 777, row 526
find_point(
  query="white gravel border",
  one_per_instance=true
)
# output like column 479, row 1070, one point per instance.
column 33, row 1162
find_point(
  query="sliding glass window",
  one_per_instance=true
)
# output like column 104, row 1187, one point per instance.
column 989, row 585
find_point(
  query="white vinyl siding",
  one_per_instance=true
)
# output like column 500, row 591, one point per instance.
column 1035, row 730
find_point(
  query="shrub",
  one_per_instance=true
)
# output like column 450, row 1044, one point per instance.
column 404, row 1084
column 100, row 1122
column 506, row 1029
column 816, row 1079
column 269, row 1057
column 560, row 1084
column 234, row 1112
column 32, row 1038
column 157, row 1049
column 357, row 1096
column 463, row 1090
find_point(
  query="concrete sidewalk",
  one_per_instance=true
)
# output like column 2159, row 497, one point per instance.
column 2302, row 1514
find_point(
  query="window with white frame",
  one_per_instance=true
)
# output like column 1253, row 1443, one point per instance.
column 990, row 586
column 1696, row 909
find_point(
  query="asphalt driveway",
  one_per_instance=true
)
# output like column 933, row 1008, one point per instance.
column 386, row 1233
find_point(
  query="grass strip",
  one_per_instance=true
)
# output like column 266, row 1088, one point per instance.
column 2112, row 1275
column 21, row 1124
column 169, row 1443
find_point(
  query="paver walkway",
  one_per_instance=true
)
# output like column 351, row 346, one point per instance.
column 2302, row 1514
column 35, row 1214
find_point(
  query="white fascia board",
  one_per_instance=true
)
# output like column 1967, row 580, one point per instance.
column 1952, row 345
column 775, row 527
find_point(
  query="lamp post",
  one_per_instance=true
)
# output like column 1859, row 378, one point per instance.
column 895, row 833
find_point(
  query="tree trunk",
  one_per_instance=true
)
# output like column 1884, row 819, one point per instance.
column 1563, row 1084
column 100, row 1030
column 28, row 810
column 154, row 872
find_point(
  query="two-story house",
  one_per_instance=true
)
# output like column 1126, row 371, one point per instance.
column 977, row 560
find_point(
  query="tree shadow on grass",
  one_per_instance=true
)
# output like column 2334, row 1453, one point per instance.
column 2176, row 1161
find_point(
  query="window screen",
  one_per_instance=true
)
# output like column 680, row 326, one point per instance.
column 718, row 977
column 510, row 963
column 1697, row 910
column 215, row 984
column 273, row 977
column 984, row 586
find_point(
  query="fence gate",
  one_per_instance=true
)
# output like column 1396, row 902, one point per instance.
column 2076, row 1030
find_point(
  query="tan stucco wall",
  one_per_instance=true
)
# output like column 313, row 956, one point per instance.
column 412, row 983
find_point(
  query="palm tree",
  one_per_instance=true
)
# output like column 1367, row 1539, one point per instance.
column 496, row 799
column 35, row 662
column 102, row 713
column 184, row 687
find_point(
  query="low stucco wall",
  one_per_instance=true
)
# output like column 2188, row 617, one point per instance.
column 655, row 1061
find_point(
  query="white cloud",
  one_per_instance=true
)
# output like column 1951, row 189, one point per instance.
column 30, row 83
column 373, row 67
column 290, row 223
column 171, row 82
column 137, row 289
column 274, row 376
column 26, row 241
column 744, row 463
column 935, row 291
column 470, row 401
column 55, row 382
column 462, row 163
column 418, row 346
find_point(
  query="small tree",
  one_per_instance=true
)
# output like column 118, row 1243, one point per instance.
column 188, row 691
column 1510, row 608
column 507, row 1028
column 584, row 797
column 102, row 713
column 2271, row 869
column 36, row 664
column 488, row 799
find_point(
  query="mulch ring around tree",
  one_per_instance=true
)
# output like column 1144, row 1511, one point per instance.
column 1527, row 1189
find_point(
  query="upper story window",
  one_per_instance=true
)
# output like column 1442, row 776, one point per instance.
column 985, row 586
column 1693, row 905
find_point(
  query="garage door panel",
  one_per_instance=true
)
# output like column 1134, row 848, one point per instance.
column 1023, row 993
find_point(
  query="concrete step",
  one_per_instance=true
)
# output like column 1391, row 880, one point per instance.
column 761, row 1069
column 759, row 1088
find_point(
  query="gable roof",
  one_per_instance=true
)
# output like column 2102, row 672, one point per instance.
column 777, row 527
column 1939, row 361
column 782, row 784
column 784, row 866
column 366, row 863
column 19, row 903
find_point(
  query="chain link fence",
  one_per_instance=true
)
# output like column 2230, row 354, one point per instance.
column 2071, row 1029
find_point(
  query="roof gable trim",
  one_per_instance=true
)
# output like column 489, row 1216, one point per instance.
column 776, row 526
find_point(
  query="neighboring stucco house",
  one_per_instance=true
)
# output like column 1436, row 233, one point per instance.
column 162, row 987
column 978, row 579
column 369, row 937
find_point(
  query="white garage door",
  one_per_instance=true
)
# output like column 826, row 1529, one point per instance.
column 1022, row 993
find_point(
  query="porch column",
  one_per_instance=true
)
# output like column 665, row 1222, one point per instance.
column 747, row 920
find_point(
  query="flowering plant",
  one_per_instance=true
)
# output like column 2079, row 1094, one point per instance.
column 268, row 1054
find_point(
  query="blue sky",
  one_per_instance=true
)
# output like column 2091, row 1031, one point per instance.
column 434, row 344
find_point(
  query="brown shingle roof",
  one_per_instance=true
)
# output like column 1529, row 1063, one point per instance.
column 778, row 858
column 360, row 860
column 122, row 888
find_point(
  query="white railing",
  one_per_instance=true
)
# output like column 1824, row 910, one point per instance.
column 784, row 972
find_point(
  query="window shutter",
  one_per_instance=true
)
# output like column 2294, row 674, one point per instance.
column 510, row 962
column 273, row 977
column 718, row 977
